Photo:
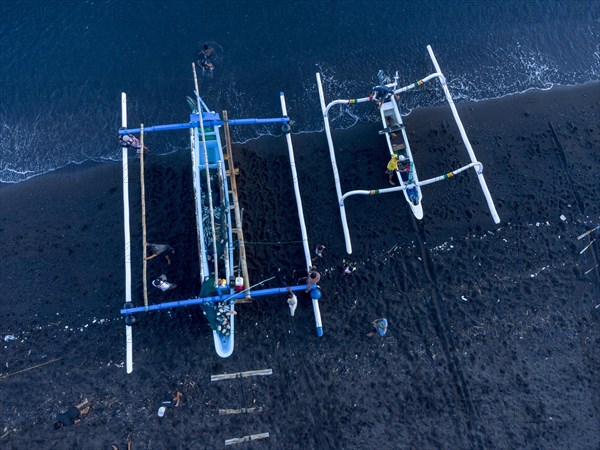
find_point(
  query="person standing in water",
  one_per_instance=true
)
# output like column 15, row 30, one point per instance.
column 205, row 57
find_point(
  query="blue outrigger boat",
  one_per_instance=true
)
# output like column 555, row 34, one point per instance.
column 222, row 257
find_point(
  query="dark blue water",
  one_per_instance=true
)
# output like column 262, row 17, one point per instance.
column 64, row 63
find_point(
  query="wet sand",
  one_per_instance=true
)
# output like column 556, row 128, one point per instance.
column 493, row 331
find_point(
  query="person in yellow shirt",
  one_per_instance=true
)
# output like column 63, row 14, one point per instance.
column 392, row 168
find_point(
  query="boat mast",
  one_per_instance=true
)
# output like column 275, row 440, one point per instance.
column 208, row 183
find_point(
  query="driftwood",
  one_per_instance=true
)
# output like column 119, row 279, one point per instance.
column 232, row 376
column 29, row 368
column 224, row 412
column 252, row 437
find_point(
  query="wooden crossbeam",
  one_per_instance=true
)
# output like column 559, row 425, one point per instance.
column 252, row 437
column 233, row 376
column 224, row 412
column 243, row 300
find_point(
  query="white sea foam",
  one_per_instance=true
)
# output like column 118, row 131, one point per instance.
column 64, row 134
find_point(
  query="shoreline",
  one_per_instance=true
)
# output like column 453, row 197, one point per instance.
column 420, row 110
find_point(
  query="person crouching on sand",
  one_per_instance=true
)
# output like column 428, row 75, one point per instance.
column 170, row 402
column 160, row 249
column 349, row 269
column 72, row 416
column 292, row 302
column 162, row 284
column 379, row 326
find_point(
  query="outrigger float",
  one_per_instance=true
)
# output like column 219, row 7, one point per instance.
column 398, row 144
column 223, row 266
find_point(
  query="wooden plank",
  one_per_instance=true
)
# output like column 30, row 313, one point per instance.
column 237, row 213
column 233, row 376
column 252, row 437
column 243, row 300
column 236, row 171
column 225, row 412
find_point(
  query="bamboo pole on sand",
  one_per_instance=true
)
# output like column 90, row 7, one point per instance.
column 143, row 215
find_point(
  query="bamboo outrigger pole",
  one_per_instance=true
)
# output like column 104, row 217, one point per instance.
column 463, row 134
column 307, row 259
column 236, row 206
column 336, row 175
column 145, row 263
column 128, row 328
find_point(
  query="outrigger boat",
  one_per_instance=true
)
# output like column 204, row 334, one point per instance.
column 398, row 144
column 223, row 267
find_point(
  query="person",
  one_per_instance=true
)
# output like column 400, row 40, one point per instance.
column 390, row 124
column 72, row 416
column 349, row 269
column 318, row 254
column 130, row 141
column 404, row 168
column 319, row 251
column 159, row 249
column 170, row 402
column 381, row 94
column 129, row 446
column 205, row 57
column 174, row 400
column 379, row 326
column 313, row 278
column 162, row 284
column 392, row 168
column 292, row 301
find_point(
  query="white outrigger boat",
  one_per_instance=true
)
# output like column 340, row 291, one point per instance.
column 398, row 144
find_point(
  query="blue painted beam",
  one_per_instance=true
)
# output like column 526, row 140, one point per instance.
column 214, row 299
column 210, row 166
column 207, row 123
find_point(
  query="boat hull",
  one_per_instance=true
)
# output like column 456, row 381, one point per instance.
column 398, row 144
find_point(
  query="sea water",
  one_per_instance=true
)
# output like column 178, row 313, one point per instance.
column 64, row 63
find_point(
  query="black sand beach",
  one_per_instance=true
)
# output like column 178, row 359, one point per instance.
column 494, row 329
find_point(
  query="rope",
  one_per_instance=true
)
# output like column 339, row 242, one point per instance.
column 270, row 243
